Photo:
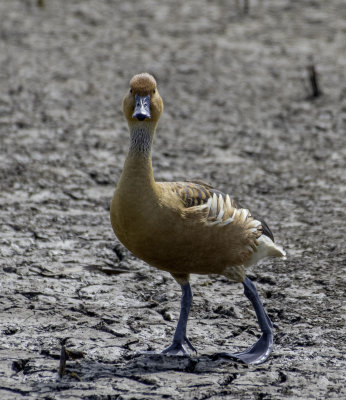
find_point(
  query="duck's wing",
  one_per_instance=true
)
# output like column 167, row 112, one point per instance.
column 198, row 197
column 264, row 227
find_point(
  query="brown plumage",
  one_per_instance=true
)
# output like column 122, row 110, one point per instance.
column 180, row 227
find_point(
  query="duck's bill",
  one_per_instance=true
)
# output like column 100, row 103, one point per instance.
column 142, row 107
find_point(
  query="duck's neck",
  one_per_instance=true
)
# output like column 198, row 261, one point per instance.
column 138, row 166
column 141, row 140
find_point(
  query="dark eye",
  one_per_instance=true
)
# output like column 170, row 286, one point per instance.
column 154, row 91
column 130, row 90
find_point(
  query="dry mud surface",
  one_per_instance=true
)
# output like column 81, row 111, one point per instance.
column 237, row 114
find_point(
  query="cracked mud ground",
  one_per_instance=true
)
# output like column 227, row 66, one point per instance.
column 238, row 114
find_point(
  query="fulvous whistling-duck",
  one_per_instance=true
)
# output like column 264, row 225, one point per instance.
column 185, row 227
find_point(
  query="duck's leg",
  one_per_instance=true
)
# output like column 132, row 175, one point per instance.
column 179, row 339
column 261, row 350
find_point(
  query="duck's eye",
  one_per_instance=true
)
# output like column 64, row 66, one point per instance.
column 154, row 91
column 130, row 90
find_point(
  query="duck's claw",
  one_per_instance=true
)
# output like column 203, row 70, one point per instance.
column 179, row 348
column 187, row 340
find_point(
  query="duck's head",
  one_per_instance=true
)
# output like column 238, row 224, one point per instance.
column 142, row 103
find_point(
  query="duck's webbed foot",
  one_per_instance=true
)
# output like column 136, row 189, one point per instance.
column 179, row 347
column 260, row 351
column 257, row 354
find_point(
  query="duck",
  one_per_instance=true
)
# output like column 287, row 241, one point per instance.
column 186, row 227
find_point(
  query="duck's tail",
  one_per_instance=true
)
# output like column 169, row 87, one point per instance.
column 266, row 248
